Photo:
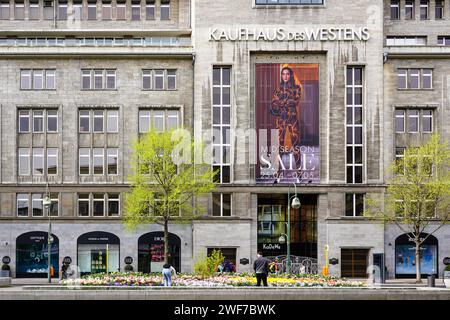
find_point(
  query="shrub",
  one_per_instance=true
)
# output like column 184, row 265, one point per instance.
column 6, row 267
column 128, row 268
column 447, row 268
column 206, row 266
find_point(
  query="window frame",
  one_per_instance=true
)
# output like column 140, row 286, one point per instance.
column 24, row 116
column 354, row 205
column 88, row 161
column 222, row 126
column 55, row 156
column 23, row 197
column 36, row 156
column 400, row 116
column 221, row 201
column 88, row 200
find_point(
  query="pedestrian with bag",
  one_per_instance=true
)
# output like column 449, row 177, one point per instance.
column 261, row 268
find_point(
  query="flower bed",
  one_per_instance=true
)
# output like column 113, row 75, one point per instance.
column 219, row 280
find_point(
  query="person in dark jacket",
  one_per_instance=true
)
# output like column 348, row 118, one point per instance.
column 261, row 267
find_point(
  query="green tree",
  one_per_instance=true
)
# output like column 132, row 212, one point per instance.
column 165, row 181
column 417, row 198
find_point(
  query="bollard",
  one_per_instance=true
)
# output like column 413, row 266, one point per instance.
column 431, row 280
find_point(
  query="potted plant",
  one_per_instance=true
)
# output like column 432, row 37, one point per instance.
column 447, row 276
column 6, row 271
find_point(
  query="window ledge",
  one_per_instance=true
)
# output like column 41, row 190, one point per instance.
column 415, row 90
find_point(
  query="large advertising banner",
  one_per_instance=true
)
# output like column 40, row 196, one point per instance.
column 287, row 121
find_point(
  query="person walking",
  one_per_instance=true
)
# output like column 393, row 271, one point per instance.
column 167, row 273
column 261, row 267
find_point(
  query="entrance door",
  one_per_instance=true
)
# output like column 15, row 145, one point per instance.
column 354, row 263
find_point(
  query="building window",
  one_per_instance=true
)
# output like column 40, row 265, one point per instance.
column 48, row 10
column 113, row 156
column 439, row 10
column 121, row 10
column 289, row 2
column 52, row 161
column 221, row 205
column 98, row 79
column 24, row 161
column 165, row 9
column 36, row 204
column 417, row 119
column 113, row 121
column 5, row 10
column 54, row 206
column 427, row 121
column 444, row 40
column 83, row 205
column 171, row 79
column 98, row 205
column 22, row 205
column 19, row 10
column 113, row 204
column 38, row 121
column 158, row 119
column 84, row 120
column 150, row 9
column 415, row 79
column 354, row 204
column 147, row 79
column 413, row 121
column 52, row 121
column 24, row 121
column 37, row 79
column 38, row 161
column 395, row 9
column 159, row 79
column 62, row 10
column 77, row 9
column 354, row 126
column 106, row 10
column 424, row 9
column 427, row 78
column 92, row 10
column 112, row 209
column 84, row 161
column 409, row 10
column 221, row 113
column 135, row 10
column 399, row 121
column 98, row 155
column 402, row 76
column 406, row 40
column 98, row 121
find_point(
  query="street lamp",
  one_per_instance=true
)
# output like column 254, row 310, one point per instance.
column 295, row 205
column 47, row 202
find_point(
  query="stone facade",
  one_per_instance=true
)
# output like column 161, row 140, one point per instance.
column 194, row 55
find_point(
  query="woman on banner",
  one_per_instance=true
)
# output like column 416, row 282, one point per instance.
column 285, row 107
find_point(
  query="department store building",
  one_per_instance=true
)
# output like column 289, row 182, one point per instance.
column 307, row 97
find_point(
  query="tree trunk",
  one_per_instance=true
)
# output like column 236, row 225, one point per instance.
column 418, row 275
column 166, row 241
